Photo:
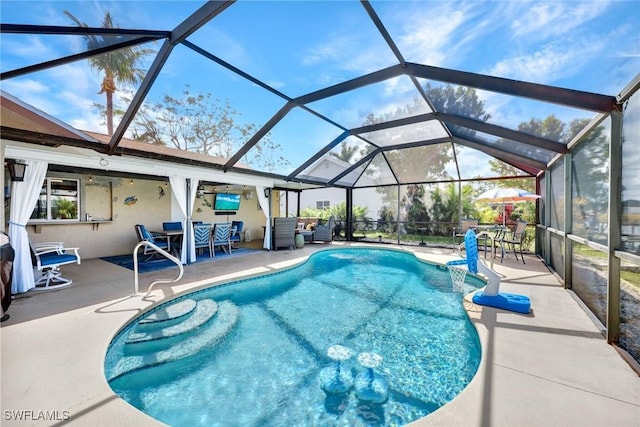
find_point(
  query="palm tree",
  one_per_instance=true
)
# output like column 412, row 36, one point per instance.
column 118, row 66
column 346, row 152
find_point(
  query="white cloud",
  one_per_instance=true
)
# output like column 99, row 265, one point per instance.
column 428, row 35
column 550, row 62
column 552, row 19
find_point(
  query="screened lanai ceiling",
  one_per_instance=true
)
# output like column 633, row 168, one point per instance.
column 340, row 93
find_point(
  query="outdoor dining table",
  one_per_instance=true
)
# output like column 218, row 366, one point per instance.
column 494, row 232
column 175, row 240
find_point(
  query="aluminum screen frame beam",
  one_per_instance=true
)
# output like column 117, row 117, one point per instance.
column 349, row 85
column 73, row 58
column 260, row 134
column 500, row 154
column 319, row 154
column 568, row 97
column 502, row 132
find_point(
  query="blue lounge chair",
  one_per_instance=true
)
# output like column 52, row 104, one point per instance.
column 163, row 242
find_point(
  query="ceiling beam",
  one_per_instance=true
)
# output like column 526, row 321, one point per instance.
column 319, row 154
column 394, row 123
column 569, row 97
column 354, row 166
column 73, row 58
column 503, row 132
column 383, row 30
column 79, row 31
column 259, row 134
column 375, row 77
column 234, row 69
column 498, row 153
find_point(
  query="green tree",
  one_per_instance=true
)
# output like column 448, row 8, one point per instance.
column 203, row 124
column 550, row 128
column 413, row 203
column 339, row 212
column 387, row 220
column 119, row 67
column 590, row 192
column 444, row 207
column 346, row 152
column 461, row 101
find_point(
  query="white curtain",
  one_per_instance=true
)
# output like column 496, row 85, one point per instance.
column 264, row 205
column 23, row 198
column 179, row 190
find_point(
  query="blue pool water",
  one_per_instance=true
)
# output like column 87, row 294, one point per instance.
column 251, row 353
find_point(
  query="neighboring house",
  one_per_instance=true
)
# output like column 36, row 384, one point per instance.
column 330, row 197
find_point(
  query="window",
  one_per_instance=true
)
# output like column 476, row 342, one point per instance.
column 323, row 204
column 58, row 201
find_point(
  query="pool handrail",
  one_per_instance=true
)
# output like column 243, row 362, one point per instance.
column 164, row 253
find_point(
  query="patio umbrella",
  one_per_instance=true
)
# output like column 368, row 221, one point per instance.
column 506, row 195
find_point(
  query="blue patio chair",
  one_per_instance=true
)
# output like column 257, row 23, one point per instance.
column 236, row 232
column 202, row 238
column 220, row 237
column 162, row 242
column 47, row 258
column 172, row 226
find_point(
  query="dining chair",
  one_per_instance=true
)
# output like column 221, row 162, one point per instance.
column 202, row 238
column 172, row 226
column 221, row 237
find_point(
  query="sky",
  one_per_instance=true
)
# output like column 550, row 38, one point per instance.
column 298, row 47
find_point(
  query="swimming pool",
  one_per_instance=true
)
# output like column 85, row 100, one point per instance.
column 252, row 352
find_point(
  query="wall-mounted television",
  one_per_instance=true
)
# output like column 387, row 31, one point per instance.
column 226, row 202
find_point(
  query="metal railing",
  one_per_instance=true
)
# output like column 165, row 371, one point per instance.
column 164, row 253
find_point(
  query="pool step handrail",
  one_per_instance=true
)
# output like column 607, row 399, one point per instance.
column 165, row 254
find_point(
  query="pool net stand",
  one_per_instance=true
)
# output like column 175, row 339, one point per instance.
column 457, row 272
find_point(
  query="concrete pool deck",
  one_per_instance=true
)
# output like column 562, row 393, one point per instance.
column 551, row 367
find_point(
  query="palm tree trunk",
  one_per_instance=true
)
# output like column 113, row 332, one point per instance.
column 109, row 87
column 110, row 113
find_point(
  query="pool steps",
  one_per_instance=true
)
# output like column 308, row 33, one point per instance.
column 204, row 326
column 169, row 315
column 203, row 311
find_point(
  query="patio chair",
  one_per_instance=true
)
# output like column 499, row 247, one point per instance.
column 325, row 232
column 202, row 238
column 236, row 232
column 220, row 237
column 47, row 257
column 284, row 232
column 514, row 239
column 163, row 242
